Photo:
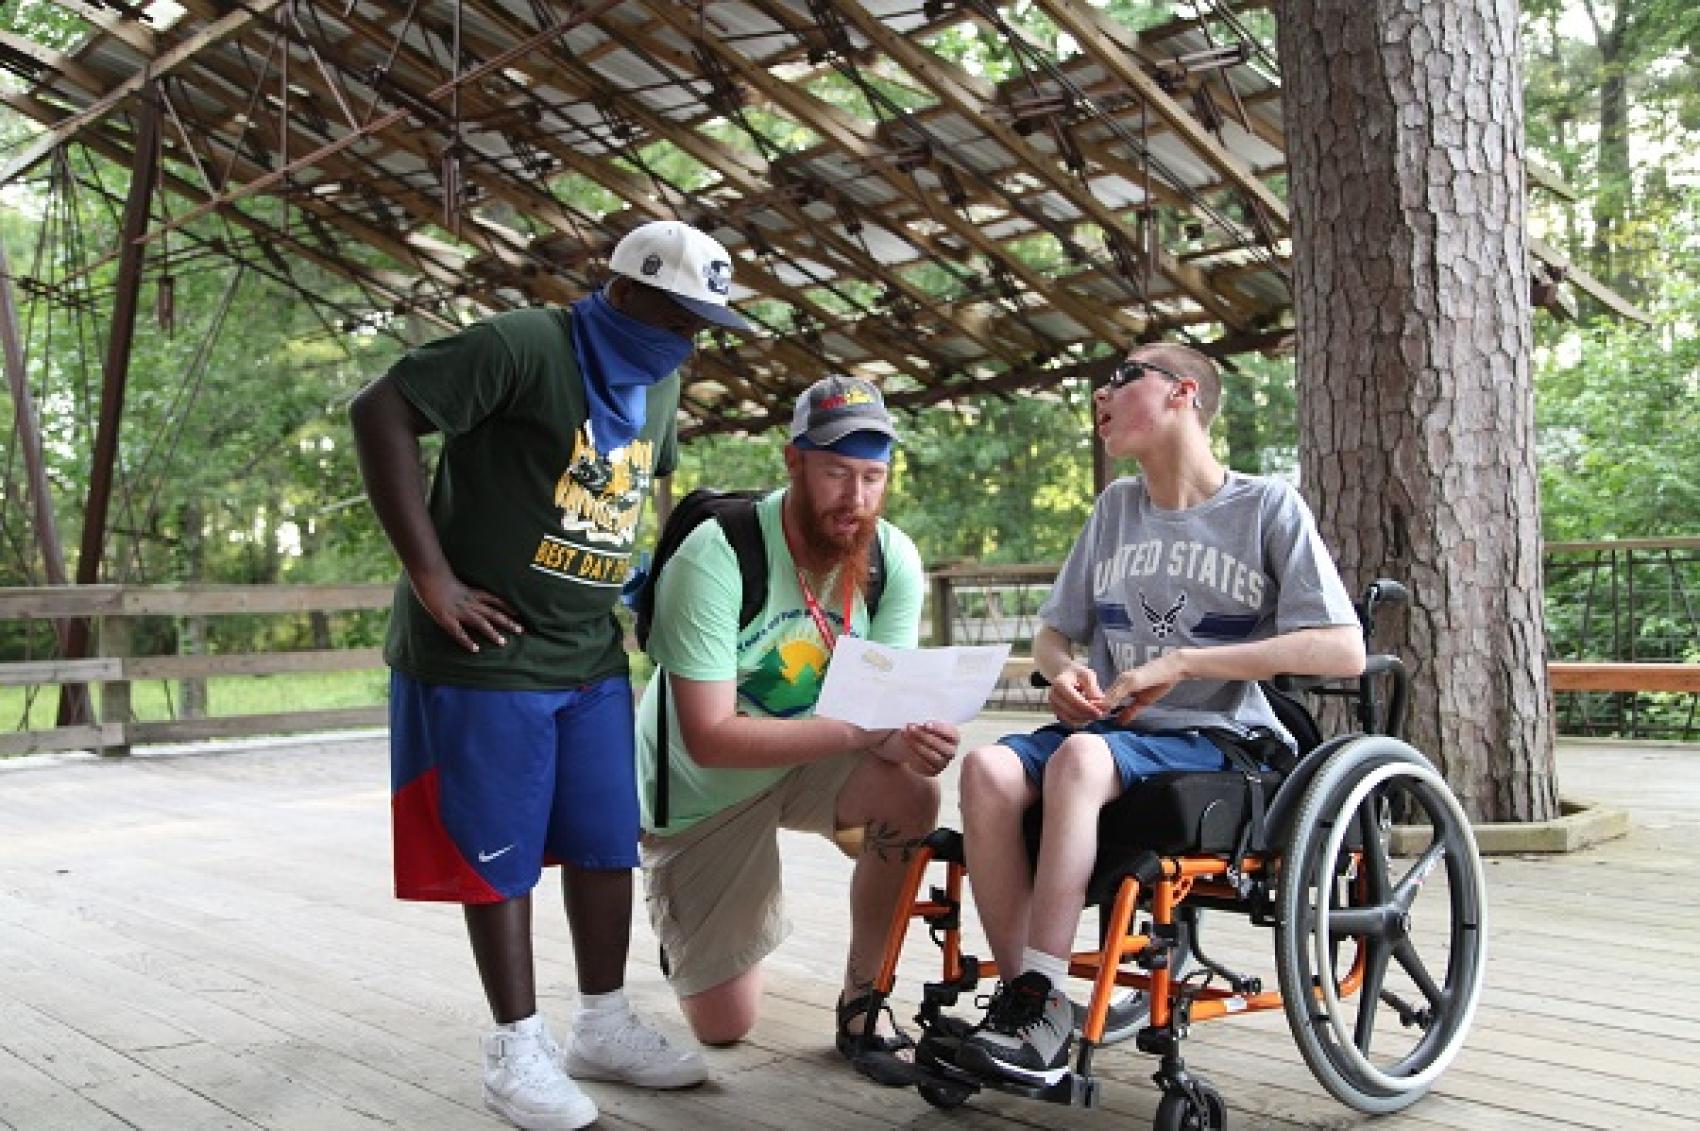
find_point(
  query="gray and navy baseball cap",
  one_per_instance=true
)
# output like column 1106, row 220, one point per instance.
column 845, row 415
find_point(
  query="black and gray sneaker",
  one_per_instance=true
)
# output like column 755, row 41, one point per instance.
column 1026, row 1036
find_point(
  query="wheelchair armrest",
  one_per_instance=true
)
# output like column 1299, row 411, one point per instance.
column 1382, row 664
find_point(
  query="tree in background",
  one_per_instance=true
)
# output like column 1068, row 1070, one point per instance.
column 1613, row 87
column 1614, row 111
column 1404, row 128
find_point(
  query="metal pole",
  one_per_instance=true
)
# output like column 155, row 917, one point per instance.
column 28, row 427
column 117, row 368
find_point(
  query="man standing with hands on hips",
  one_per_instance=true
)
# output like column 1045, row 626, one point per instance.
column 511, row 709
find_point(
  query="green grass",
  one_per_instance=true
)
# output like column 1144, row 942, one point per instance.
column 23, row 708
column 26, row 708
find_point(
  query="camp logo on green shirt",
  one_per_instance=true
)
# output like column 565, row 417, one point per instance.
column 788, row 678
column 601, row 499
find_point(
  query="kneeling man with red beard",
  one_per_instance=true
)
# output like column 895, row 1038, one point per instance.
column 745, row 753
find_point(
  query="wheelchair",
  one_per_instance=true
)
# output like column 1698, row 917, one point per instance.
column 1378, row 999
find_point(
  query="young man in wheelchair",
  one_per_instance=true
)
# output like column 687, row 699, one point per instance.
column 1189, row 584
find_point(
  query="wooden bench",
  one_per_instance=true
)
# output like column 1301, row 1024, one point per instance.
column 1571, row 675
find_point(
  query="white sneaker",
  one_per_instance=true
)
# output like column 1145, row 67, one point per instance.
column 524, row 1083
column 626, row 1047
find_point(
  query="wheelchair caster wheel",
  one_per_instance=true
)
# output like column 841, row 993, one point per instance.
column 1180, row 1111
column 943, row 1096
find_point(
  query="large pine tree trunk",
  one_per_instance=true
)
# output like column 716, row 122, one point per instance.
column 1404, row 128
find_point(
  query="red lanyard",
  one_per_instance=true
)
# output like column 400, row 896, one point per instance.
column 818, row 615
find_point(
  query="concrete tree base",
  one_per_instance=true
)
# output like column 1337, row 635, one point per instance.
column 1580, row 824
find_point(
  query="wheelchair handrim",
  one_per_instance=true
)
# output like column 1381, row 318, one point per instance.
column 1456, row 1022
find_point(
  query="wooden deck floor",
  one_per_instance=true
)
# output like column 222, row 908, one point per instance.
column 206, row 940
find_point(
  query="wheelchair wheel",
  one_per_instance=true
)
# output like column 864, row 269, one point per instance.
column 945, row 1097
column 1178, row 1111
column 1414, row 930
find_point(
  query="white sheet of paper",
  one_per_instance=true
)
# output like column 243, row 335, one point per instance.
column 877, row 686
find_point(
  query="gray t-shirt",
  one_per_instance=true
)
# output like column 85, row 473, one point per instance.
column 1245, row 565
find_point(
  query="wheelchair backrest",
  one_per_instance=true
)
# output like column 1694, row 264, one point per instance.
column 1295, row 716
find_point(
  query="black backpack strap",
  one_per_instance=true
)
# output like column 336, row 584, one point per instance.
column 876, row 576
column 742, row 528
column 738, row 522
column 663, row 771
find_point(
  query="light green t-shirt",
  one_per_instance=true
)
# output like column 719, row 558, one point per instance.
column 779, row 661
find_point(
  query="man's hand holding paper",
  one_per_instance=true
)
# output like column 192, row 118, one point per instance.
column 879, row 687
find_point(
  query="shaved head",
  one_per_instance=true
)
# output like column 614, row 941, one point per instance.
column 1188, row 362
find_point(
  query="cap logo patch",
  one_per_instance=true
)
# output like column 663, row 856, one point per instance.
column 651, row 265
column 717, row 276
column 843, row 400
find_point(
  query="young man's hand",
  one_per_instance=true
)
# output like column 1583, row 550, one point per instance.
column 462, row 611
column 1075, row 696
column 926, row 748
column 1135, row 690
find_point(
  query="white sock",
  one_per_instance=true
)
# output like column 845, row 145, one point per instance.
column 604, row 1007
column 524, row 1025
column 1052, row 967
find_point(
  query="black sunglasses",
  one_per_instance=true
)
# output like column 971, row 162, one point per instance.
column 1130, row 371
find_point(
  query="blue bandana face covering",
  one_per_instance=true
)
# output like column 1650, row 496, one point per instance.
column 620, row 358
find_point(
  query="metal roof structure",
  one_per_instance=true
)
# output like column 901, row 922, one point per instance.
column 891, row 211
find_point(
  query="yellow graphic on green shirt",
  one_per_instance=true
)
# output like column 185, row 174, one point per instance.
column 788, row 680
column 601, row 496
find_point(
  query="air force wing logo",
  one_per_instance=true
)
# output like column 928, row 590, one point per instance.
column 1163, row 625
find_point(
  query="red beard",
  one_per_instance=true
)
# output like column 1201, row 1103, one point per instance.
column 833, row 545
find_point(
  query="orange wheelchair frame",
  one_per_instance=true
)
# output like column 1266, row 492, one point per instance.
column 1316, row 865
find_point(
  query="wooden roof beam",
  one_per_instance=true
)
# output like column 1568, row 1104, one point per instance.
column 970, row 97
column 118, row 148
column 52, row 59
column 224, row 88
column 856, row 139
column 228, row 197
column 759, row 184
column 392, row 291
column 214, row 33
column 143, row 39
column 1100, row 37
column 892, row 349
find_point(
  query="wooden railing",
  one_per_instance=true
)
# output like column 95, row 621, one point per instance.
column 969, row 605
column 113, row 607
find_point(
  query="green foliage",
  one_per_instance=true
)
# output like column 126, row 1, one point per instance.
column 47, row 23
column 156, row 700
column 1257, row 427
column 1620, row 428
column 1008, row 480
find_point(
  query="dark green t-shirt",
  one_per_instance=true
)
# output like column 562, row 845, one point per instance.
column 524, row 505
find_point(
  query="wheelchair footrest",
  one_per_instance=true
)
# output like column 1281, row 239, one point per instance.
column 935, row 1067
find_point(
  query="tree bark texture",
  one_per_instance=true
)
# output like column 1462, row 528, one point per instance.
column 1404, row 128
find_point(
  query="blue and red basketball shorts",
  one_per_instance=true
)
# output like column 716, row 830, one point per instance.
column 488, row 787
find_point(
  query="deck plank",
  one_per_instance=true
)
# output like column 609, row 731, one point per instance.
column 205, row 938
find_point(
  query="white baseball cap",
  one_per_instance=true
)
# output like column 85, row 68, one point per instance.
column 690, row 265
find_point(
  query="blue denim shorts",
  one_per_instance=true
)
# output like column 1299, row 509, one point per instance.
column 1137, row 754
column 488, row 787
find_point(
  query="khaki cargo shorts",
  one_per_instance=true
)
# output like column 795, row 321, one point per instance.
column 714, row 890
